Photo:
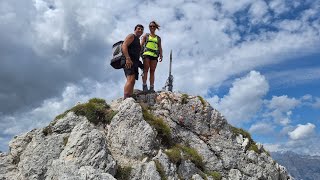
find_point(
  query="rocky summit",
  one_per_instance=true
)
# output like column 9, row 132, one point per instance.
column 154, row 136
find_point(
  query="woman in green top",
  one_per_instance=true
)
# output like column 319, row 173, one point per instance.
column 152, row 51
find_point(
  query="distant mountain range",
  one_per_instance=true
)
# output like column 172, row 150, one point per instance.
column 301, row 167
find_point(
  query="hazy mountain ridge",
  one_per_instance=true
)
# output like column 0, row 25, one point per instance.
column 299, row 166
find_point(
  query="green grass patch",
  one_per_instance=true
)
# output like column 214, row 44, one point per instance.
column 252, row 145
column 203, row 102
column 160, row 170
column 123, row 173
column 184, row 98
column 179, row 152
column 203, row 175
column 95, row 110
column 163, row 130
column 216, row 175
column 60, row 116
column 241, row 131
column 193, row 156
column 174, row 154
column 99, row 101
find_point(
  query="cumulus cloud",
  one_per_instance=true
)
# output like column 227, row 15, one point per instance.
column 302, row 131
column 261, row 128
column 244, row 98
column 281, row 108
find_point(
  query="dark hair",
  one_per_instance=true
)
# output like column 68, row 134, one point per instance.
column 157, row 25
column 138, row 25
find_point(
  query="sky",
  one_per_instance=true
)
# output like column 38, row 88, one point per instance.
column 256, row 61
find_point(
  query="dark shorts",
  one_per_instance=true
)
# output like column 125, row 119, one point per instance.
column 133, row 70
column 150, row 57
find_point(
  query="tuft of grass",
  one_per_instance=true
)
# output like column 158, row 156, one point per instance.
column 164, row 131
column 193, row 156
column 95, row 110
column 184, row 98
column 203, row 175
column 123, row 173
column 244, row 133
column 216, row 175
column 252, row 145
column 203, row 102
column 99, row 101
column 160, row 170
column 60, row 116
column 174, row 154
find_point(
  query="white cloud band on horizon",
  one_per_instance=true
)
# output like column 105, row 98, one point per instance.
column 302, row 131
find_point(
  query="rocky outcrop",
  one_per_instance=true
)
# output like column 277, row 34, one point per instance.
column 161, row 135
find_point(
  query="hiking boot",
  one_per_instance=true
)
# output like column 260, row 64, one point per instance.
column 144, row 88
column 152, row 89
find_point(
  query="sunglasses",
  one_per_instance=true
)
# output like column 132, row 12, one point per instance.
column 152, row 26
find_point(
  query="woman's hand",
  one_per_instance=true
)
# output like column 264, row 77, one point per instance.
column 129, row 63
column 160, row 58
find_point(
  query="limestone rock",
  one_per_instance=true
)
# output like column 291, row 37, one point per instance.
column 130, row 136
column 72, row 148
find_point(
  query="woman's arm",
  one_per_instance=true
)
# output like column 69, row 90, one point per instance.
column 160, row 50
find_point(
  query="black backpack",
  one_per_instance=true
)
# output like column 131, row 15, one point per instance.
column 118, row 59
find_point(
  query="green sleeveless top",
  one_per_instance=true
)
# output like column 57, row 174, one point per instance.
column 152, row 46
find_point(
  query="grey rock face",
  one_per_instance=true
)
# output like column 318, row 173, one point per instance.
column 145, row 171
column 130, row 136
column 205, row 146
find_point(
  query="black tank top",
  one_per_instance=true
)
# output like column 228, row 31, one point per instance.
column 134, row 49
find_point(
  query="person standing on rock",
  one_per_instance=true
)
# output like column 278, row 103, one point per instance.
column 131, row 49
column 152, row 51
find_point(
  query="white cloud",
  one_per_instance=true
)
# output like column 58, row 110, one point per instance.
column 302, row 131
column 235, row 6
column 316, row 104
column 261, row 128
column 306, row 97
column 280, row 107
column 283, row 103
column 258, row 10
column 244, row 98
column 279, row 6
